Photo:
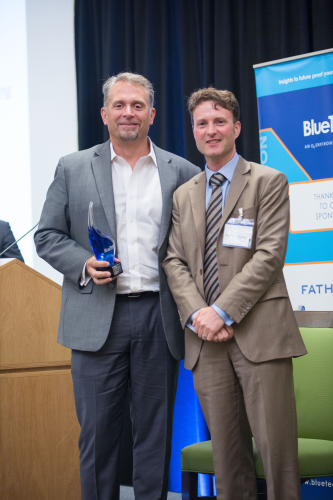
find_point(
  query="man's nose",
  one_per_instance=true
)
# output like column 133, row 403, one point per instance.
column 211, row 129
column 128, row 110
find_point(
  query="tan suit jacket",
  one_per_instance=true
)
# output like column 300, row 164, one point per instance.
column 252, row 285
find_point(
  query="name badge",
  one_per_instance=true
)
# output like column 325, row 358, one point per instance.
column 238, row 233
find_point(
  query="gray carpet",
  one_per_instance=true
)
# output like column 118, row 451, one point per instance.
column 126, row 493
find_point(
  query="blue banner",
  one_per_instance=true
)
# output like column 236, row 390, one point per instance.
column 295, row 108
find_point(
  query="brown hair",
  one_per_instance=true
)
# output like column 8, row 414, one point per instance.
column 223, row 98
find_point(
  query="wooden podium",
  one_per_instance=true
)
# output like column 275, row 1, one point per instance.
column 39, row 456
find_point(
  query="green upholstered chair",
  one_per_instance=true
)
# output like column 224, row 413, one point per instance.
column 313, row 378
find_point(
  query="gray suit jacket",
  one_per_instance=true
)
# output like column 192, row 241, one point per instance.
column 6, row 239
column 62, row 240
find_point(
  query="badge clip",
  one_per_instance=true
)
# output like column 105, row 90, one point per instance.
column 240, row 214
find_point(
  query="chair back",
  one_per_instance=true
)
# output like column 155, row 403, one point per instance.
column 313, row 379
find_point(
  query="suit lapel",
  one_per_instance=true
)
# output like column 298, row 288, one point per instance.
column 198, row 203
column 101, row 166
column 237, row 186
column 168, row 179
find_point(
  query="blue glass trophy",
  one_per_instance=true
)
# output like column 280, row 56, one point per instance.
column 102, row 245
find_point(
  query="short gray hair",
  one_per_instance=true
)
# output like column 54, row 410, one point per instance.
column 132, row 78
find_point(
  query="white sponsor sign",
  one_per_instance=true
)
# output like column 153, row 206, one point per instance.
column 311, row 206
column 310, row 286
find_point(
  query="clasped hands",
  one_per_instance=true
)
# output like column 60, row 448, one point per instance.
column 99, row 277
column 209, row 325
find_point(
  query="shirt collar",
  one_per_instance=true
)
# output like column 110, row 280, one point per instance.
column 227, row 170
column 151, row 154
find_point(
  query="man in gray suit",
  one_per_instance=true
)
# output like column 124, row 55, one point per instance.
column 6, row 240
column 125, row 331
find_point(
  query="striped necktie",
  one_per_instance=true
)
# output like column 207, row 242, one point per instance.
column 213, row 218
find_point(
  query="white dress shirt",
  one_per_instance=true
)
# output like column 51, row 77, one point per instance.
column 138, row 204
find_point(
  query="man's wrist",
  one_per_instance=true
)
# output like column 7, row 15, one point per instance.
column 85, row 276
column 189, row 322
column 223, row 315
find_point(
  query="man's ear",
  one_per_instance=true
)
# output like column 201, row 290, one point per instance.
column 152, row 116
column 237, row 129
column 103, row 115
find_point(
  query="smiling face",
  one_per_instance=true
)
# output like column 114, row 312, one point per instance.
column 127, row 115
column 215, row 133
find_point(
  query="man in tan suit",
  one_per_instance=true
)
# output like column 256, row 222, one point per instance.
column 224, row 267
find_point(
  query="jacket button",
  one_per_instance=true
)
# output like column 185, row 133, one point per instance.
column 247, row 308
column 201, row 272
column 242, row 313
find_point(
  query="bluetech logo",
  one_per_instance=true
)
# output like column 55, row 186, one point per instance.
column 313, row 128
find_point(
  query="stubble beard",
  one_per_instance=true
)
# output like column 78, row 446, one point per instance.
column 128, row 135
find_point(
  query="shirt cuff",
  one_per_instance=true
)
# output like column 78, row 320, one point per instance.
column 190, row 321
column 84, row 277
column 226, row 318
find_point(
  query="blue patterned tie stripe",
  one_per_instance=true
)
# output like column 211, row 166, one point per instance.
column 213, row 218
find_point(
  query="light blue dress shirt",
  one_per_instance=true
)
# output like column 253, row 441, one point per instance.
column 228, row 171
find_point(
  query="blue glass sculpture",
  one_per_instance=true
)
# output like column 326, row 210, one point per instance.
column 102, row 245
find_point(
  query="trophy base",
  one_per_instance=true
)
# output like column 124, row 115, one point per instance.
column 115, row 270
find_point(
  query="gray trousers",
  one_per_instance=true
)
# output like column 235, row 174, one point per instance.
column 241, row 399
column 135, row 356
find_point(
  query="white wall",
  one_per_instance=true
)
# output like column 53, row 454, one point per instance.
column 42, row 123
column 15, row 174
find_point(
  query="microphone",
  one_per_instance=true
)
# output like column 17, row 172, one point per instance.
column 10, row 246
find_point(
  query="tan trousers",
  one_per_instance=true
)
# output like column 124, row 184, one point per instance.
column 233, row 393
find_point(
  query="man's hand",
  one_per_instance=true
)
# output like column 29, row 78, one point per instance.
column 210, row 326
column 99, row 277
column 207, row 323
column 226, row 333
